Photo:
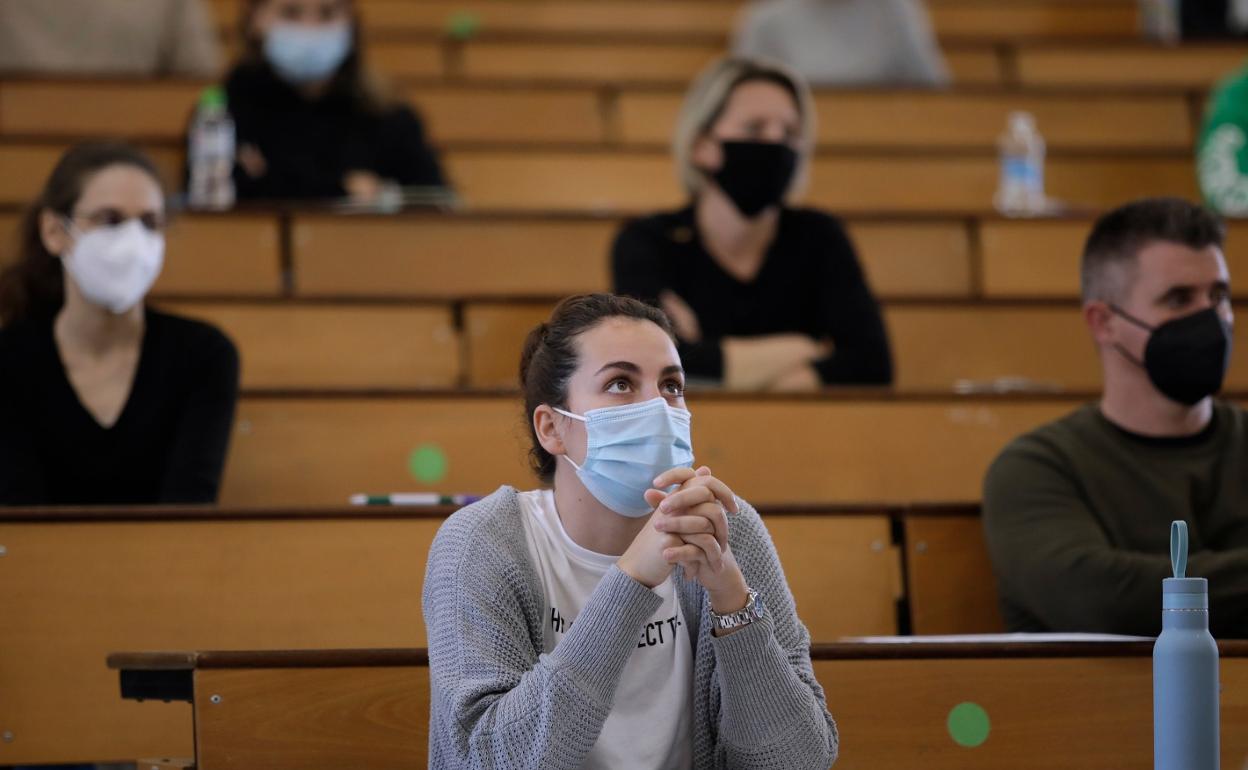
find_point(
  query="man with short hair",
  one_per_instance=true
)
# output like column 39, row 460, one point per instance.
column 1077, row 513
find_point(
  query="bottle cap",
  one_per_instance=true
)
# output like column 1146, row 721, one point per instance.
column 1019, row 119
column 1185, row 594
column 1181, row 592
column 213, row 97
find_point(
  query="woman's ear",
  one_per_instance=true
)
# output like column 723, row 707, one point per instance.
column 547, row 426
column 53, row 232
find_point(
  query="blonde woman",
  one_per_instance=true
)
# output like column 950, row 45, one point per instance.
column 762, row 295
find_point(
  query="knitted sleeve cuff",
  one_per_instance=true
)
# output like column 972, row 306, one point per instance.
column 759, row 688
column 599, row 642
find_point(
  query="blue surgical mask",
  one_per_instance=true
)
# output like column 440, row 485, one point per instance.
column 302, row 53
column 628, row 446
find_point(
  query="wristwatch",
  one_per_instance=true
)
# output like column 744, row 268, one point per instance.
column 752, row 611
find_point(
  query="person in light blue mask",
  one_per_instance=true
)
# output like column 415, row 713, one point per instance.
column 311, row 122
column 632, row 613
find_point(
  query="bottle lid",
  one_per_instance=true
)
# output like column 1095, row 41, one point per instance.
column 1185, row 594
column 213, row 97
column 1181, row 592
column 1022, row 120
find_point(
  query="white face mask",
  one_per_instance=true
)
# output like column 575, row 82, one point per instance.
column 114, row 267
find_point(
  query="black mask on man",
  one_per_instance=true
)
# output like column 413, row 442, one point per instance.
column 1186, row 358
column 755, row 175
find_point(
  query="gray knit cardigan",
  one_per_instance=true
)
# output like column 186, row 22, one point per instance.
column 498, row 702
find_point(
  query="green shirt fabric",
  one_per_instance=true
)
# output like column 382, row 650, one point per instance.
column 1222, row 151
column 1077, row 516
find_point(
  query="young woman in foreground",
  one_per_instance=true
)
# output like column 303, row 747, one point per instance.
column 578, row 626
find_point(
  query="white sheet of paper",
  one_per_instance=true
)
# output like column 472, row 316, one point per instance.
column 996, row 638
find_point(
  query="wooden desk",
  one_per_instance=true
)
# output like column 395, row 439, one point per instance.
column 604, row 179
column 292, row 344
column 462, row 113
column 848, row 182
column 541, row 255
column 78, row 584
column 836, row 447
column 952, row 19
column 1135, row 64
column 1079, row 706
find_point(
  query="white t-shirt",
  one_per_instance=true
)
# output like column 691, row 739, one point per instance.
column 649, row 724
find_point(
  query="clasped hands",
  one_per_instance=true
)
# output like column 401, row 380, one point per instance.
column 689, row 527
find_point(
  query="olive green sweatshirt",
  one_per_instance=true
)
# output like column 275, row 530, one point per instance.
column 1077, row 516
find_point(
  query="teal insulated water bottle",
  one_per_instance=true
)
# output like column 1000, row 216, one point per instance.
column 1185, row 670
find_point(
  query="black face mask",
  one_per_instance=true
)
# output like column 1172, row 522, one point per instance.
column 1185, row 358
column 755, row 175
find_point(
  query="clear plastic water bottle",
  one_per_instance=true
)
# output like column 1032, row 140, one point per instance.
column 1185, row 670
column 1160, row 21
column 211, row 153
column 1020, row 191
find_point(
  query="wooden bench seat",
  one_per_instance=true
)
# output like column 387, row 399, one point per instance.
column 950, row 585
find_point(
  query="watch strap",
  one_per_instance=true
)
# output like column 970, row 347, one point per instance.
column 752, row 611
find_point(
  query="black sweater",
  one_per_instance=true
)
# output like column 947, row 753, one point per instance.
column 810, row 283
column 309, row 146
column 168, row 445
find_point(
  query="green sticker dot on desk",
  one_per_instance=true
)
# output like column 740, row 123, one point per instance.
column 427, row 463
column 968, row 724
column 463, row 25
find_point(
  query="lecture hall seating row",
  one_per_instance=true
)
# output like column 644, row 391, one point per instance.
column 1025, row 701
column 83, row 584
column 952, row 19
column 350, row 346
column 452, row 257
column 319, row 448
column 186, row 579
column 616, row 61
column 611, row 181
column 465, row 115
column 338, row 330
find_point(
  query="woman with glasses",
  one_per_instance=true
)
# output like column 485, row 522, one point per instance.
column 104, row 400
